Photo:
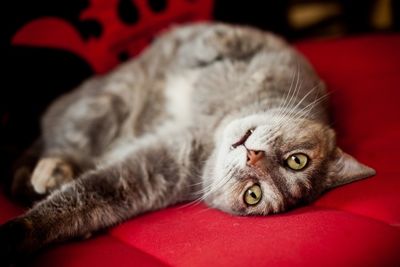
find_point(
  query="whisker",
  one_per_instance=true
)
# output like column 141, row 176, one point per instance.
column 311, row 105
column 289, row 91
column 305, row 97
column 296, row 114
column 212, row 188
column 287, row 108
column 288, row 101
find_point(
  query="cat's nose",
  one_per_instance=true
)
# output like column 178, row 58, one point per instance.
column 254, row 156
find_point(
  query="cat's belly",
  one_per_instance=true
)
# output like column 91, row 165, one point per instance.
column 178, row 95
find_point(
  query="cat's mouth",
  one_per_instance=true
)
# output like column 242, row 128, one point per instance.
column 243, row 139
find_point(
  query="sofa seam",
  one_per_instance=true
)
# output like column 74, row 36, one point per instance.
column 121, row 241
column 365, row 217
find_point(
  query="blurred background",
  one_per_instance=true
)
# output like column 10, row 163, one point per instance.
column 299, row 19
column 48, row 47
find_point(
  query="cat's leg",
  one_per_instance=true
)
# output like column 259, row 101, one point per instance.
column 30, row 165
column 216, row 42
column 154, row 175
column 75, row 130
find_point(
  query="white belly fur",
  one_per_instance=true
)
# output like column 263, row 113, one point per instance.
column 178, row 93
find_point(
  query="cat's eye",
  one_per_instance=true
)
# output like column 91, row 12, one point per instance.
column 297, row 161
column 253, row 195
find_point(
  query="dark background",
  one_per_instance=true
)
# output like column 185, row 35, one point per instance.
column 34, row 76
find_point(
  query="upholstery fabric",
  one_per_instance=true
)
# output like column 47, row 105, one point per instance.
column 124, row 28
column 354, row 225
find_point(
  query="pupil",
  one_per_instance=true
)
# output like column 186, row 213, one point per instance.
column 253, row 195
column 297, row 160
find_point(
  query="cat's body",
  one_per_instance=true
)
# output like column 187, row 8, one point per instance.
column 210, row 111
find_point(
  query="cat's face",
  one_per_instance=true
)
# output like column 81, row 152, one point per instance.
column 263, row 165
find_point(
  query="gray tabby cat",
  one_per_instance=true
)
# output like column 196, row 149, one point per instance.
column 225, row 114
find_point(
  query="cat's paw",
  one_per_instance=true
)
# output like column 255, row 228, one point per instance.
column 219, row 42
column 13, row 241
column 230, row 42
column 50, row 174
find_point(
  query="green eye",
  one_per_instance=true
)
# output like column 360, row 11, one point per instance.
column 253, row 195
column 297, row 162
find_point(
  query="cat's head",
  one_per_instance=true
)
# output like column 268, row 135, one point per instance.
column 263, row 165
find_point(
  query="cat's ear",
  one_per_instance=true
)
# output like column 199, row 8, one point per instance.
column 344, row 169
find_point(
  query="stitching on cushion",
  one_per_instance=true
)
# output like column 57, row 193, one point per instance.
column 109, row 234
column 394, row 225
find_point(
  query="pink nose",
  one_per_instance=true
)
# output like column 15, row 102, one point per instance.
column 254, row 156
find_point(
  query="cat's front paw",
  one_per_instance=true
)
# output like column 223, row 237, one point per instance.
column 13, row 241
column 50, row 174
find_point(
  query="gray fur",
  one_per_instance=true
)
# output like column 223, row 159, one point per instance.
column 158, row 130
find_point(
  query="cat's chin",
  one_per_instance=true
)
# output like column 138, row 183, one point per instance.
column 226, row 206
column 226, row 209
column 243, row 211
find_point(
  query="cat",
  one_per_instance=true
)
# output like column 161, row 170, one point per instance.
column 229, row 115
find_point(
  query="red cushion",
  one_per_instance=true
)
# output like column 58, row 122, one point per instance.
column 354, row 225
column 102, row 53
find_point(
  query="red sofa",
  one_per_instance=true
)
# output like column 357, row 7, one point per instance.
column 354, row 225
